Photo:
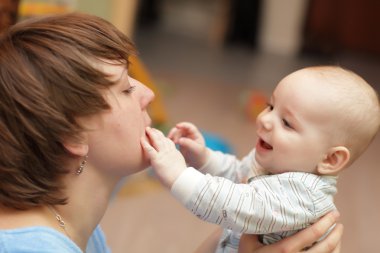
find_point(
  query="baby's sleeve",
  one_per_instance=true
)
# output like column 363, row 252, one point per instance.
column 268, row 204
column 230, row 167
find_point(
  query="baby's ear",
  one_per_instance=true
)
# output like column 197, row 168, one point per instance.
column 335, row 160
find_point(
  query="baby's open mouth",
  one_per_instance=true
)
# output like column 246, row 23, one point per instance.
column 265, row 145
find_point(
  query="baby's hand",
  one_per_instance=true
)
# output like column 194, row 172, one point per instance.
column 166, row 160
column 191, row 143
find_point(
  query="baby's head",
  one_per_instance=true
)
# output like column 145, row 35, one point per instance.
column 319, row 120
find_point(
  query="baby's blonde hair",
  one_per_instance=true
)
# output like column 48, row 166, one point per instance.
column 356, row 105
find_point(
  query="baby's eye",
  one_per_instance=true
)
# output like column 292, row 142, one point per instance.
column 287, row 124
column 130, row 89
column 270, row 106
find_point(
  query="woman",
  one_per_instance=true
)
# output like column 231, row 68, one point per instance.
column 70, row 129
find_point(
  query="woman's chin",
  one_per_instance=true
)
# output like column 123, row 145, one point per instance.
column 145, row 163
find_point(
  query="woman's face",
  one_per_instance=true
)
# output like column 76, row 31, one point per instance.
column 114, row 138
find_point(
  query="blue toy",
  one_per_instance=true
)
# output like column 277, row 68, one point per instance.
column 215, row 142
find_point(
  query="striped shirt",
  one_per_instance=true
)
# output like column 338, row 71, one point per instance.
column 240, row 197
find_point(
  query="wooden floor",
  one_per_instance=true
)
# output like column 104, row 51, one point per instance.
column 207, row 87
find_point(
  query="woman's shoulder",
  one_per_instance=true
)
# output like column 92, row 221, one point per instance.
column 35, row 239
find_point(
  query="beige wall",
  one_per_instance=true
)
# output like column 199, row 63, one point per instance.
column 282, row 26
column 99, row 8
column 120, row 12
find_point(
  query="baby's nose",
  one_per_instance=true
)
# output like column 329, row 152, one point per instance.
column 267, row 125
column 264, row 121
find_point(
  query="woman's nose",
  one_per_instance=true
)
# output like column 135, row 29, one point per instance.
column 143, row 93
column 147, row 96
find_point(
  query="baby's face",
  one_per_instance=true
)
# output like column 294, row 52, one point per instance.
column 293, row 131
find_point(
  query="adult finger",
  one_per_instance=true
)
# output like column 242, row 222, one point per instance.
column 331, row 244
column 311, row 234
column 249, row 243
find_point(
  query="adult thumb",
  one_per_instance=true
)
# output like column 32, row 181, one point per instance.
column 249, row 243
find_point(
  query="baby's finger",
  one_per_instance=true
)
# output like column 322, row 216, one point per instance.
column 174, row 134
column 157, row 139
column 149, row 150
column 186, row 126
column 156, row 131
column 188, row 144
column 190, row 130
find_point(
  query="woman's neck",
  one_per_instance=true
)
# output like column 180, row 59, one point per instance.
column 88, row 196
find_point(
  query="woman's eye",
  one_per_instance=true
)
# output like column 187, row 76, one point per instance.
column 130, row 89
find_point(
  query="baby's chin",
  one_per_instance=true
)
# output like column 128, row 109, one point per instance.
column 266, row 168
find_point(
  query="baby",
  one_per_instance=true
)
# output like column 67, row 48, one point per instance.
column 318, row 122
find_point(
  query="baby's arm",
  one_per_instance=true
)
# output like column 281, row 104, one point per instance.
column 197, row 155
column 269, row 204
column 229, row 166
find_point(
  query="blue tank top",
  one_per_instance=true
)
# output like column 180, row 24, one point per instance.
column 47, row 240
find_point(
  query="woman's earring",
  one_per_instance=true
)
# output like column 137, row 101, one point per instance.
column 81, row 166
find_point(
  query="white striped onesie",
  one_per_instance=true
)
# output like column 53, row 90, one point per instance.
column 274, row 206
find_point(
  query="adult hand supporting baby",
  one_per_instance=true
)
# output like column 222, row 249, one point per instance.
column 297, row 242
column 166, row 160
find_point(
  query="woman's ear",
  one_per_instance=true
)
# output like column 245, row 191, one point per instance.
column 336, row 159
column 77, row 147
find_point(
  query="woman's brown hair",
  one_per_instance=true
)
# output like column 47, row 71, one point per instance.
column 48, row 78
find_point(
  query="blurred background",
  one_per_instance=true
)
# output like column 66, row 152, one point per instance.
column 214, row 63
